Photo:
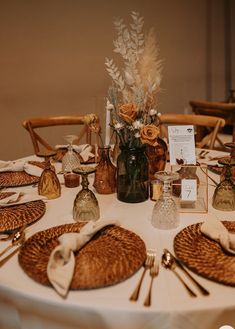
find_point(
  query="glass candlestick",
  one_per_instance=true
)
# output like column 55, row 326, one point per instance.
column 165, row 213
column 49, row 184
column 85, row 207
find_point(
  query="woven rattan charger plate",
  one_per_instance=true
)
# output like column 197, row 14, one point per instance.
column 16, row 216
column 20, row 178
column 111, row 256
column 205, row 256
column 16, row 178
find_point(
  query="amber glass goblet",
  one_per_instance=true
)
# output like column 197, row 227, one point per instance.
column 49, row 184
column 85, row 207
column 224, row 194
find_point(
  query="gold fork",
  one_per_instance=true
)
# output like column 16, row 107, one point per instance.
column 147, row 265
column 154, row 270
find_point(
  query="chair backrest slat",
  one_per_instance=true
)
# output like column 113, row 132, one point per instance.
column 42, row 122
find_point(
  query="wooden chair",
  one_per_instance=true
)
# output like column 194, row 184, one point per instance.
column 88, row 125
column 212, row 123
column 219, row 109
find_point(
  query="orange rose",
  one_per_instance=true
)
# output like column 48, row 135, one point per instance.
column 128, row 112
column 149, row 134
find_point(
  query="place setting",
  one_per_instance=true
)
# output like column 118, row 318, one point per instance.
column 208, row 249
column 20, row 173
column 20, row 208
column 80, row 256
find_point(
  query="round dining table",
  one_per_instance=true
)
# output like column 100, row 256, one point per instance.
column 27, row 304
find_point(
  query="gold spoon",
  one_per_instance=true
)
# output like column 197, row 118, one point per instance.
column 169, row 263
column 178, row 263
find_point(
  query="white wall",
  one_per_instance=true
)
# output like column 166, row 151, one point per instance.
column 52, row 57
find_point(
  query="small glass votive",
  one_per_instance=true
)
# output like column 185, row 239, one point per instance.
column 71, row 179
column 155, row 189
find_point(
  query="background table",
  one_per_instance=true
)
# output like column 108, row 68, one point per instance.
column 26, row 304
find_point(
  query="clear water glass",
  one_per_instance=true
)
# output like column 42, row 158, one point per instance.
column 70, row 160
column 165, row 213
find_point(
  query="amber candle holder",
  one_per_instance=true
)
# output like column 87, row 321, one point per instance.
column 71, row 179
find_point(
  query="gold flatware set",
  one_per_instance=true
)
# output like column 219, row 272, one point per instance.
column 17, row 239
column 170, row 262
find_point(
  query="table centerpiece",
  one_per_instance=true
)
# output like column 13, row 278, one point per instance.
column 132, row 108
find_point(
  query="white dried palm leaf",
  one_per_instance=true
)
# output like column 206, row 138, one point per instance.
column 115, row 73
column 130, row 41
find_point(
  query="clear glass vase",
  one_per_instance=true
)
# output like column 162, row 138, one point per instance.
column 132, row 175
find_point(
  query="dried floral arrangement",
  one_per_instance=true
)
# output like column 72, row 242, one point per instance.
column 132, row 97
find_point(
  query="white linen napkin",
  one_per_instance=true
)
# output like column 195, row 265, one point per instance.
column 84, row 150
column 20, row 198
column 61, row 263
column 20, row 165
column 214, row 229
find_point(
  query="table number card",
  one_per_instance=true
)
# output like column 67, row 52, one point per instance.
column 189, row 190
column 182, row 144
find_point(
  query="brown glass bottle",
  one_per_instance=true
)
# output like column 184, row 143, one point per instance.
column 105, row 174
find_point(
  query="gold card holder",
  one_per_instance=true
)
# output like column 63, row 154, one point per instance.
column 191, row 189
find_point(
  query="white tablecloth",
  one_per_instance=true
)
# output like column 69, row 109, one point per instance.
column 26, row 304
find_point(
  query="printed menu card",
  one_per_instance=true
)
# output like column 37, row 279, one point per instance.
column 182, row 144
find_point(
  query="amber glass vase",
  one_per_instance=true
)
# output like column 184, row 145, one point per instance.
column 132, row 174
column 105, row 174
column 157, row 157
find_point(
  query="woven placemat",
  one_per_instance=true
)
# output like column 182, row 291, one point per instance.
column 20, row 178
column 205, row 256
column 14, row 217
column 111, row 256
column 16, row 178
